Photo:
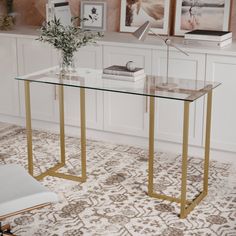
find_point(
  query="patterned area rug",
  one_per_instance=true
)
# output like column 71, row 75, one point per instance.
column 113, row 201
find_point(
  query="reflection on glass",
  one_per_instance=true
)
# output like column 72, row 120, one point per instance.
column 185, row 89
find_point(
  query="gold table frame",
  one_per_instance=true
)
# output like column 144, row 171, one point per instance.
column 53, row 171
column 186, row 206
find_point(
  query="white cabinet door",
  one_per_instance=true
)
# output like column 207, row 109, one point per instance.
column 34, row 56
column 9, row 102
column 169, row 115
column 223, row 133
column 126, row 114
column 86, row 57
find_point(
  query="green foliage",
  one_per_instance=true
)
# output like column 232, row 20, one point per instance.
column 6, row 22
column 68, row 39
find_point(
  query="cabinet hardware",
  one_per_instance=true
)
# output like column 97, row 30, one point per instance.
column 146, row 104
column 55, row 92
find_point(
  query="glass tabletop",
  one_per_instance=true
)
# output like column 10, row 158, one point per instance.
column 152, row 86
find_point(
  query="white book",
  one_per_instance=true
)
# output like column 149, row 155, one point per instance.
column 123, row 77
column 204, row 43
column 122, row 70
column 208, row 35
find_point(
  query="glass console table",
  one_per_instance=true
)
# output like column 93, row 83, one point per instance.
column 183, row 90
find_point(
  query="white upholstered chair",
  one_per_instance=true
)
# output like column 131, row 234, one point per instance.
column 20, row 192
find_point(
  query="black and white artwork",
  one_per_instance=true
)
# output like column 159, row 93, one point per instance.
column 95, row 14
column 135, row 12
column 201, row 14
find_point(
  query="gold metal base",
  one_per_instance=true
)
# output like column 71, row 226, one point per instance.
column 53, row 170
column 186, row 206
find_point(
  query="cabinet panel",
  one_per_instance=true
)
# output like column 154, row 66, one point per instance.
column 34, row 56
column 86, row 57
column 123, row 113
column 169, row 119
column 223, row 69
column 9, row 102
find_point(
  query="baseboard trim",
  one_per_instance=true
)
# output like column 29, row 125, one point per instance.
column 99, row 135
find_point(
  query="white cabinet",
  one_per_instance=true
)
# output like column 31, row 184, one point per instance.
column 34, row 56
column 86, row 57
column 126, row 114
column 9, row 100
column 223, row 69
column 169, row 113
column 122, row 113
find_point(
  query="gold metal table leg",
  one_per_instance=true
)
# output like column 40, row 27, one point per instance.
column 186, row 206
column 62, row 124
column 151, row 192
column 83, row 133
column 53, row 170
column 207, row 141
column 184, row 159
column 28, row 127
column 151, row 146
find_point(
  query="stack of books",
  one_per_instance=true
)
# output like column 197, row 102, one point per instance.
column 208, row 38
column 122, row 73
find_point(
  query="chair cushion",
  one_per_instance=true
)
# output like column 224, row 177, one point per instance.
column 19, row 190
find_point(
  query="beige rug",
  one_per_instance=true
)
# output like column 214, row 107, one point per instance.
column 113, row 201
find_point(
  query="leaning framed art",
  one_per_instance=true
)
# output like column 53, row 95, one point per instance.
column 135, row 12
column 204, row 15
column 95, row 14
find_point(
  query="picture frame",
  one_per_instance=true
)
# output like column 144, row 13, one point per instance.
column 59, row 9
column 207, row 15
column 95, row 13
column 135, row 13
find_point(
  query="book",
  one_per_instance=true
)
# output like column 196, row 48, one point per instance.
column 208, row 35
column 203, row 43
column 125, row 85
column 122, row 70
column 123, row 77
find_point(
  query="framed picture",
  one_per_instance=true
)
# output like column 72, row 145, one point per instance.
column 95, row 13
column 59, row 9
column 204, row 14
column 135, row 12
